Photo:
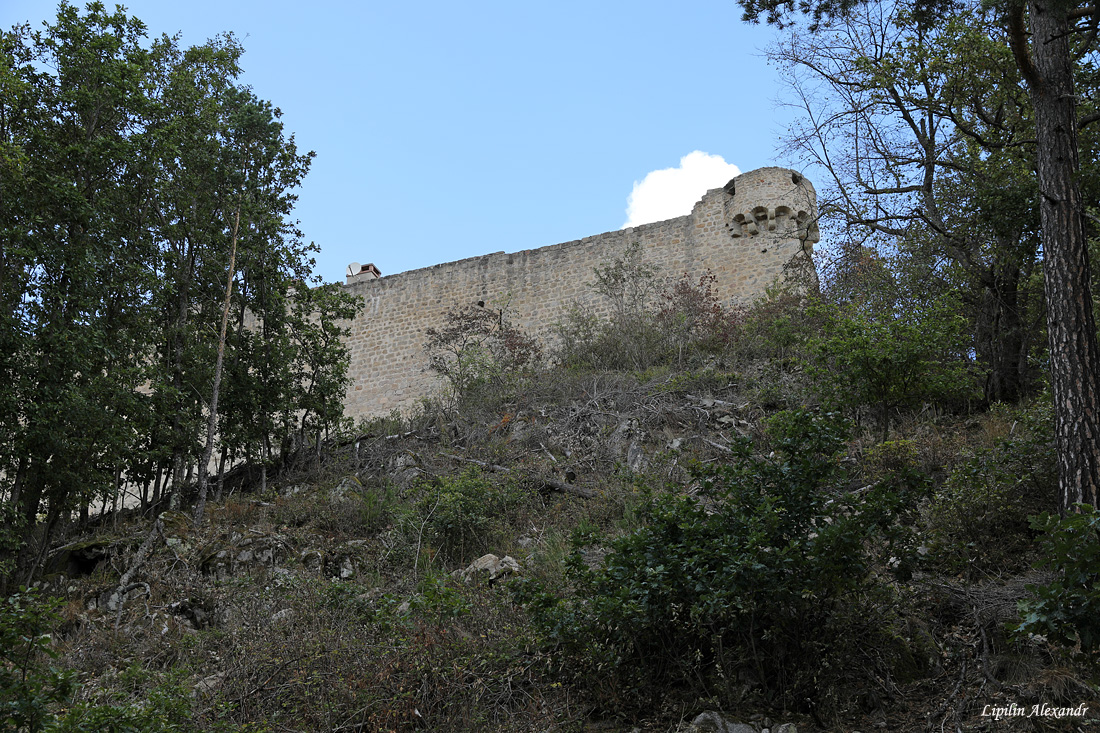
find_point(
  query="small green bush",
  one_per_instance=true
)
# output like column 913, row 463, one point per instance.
column 462, row 515
column 36, row 696
column 1067, row 610
column 776, row 327
column 979, row 521
column 163, row 706
column 649, row 323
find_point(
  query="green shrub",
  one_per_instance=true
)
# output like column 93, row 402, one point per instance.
column 775, row 328
column 624, row 342
column 1067, row 610
column 29, row 686
column 889, row 361
column 693, row 321
column 462, row 515
column 163, row 707
column 751, row 579
column 648, row 323
column 479, row 353
column 978, row 519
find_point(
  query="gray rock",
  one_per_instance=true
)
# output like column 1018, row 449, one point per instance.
column 207, row 685
column 293, row 490
column 284, row 615
column 348, row 485
column 714, row 722
column 311, row 559
column 244, row 554
column 636, row 458
column 490, row 567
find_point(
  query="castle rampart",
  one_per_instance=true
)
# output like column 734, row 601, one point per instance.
column 746, row 233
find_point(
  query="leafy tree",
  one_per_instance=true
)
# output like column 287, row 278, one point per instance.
column 1044, row 36
column 74, row 258
column 144, row 199
column 923, row 132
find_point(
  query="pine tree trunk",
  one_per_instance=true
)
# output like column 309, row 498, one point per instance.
column 1074, row 356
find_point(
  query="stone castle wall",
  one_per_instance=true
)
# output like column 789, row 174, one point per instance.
column 746, row 234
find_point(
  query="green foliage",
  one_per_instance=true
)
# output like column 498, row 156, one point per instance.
column 1067, row 610
column 776, row 327
column 135, row 166
column 644, row 323
column 693, row 320
column 628, row 338
column 978, row 518
column 164, row 706
column 439, row 599
column 953, row 209
column 461, row 515
column 749, row 578
column 29, row 687
column 889, row 361
column 480, row 354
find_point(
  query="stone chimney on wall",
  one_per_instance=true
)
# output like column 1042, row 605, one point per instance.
column 357, row 273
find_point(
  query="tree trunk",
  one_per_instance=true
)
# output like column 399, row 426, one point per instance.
column 212, row 418
column 221, row 474
column 1074, row 355
column 1001, row 334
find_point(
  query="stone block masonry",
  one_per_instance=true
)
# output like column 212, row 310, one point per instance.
column 748, row 234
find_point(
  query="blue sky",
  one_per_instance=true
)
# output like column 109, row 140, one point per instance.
column 447, row 130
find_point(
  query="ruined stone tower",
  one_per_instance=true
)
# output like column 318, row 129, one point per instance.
column 757, row 229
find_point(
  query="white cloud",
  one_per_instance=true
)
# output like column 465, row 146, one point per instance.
column 671, row 192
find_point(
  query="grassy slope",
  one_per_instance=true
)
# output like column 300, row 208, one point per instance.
column 276, row 639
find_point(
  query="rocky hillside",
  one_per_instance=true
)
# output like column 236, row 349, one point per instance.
column 409, row 581
column 714, row 540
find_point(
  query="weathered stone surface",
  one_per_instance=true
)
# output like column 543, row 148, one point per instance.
column 195, row 611
column 242, row 553
column 746, row 234
column 208, row 685
column 349, row 485
column 284, row 615
column 78, row 559
column 490, row 567
column 714, row 722
column 293, row 490
column 311, row 559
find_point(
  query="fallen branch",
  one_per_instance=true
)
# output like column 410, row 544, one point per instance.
column 712, row 444
column 119, row 597
column 142, row 555
column 548, row 482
